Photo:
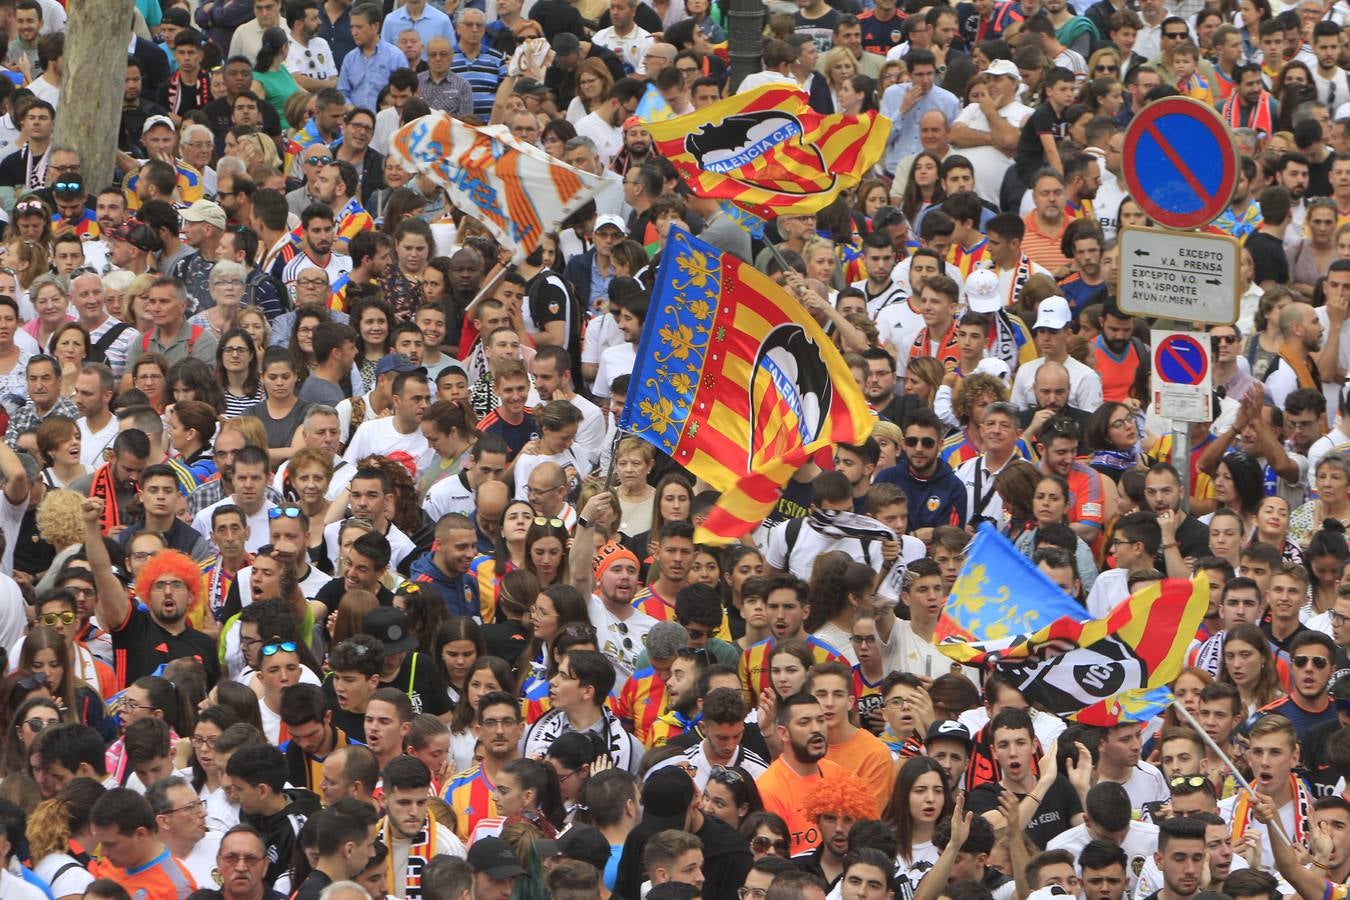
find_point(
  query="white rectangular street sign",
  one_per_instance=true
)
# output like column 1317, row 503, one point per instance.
column 1185, row 276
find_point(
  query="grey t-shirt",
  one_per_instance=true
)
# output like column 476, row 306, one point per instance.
column 321, row 390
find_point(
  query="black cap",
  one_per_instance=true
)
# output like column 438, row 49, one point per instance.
column 493, row 857
column 667, row 795
column 583, row 842
column 526, row 86
column 390, row 626
column 942, row 730
column 177, row 16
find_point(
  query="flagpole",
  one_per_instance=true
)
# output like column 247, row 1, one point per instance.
column 1242, row 782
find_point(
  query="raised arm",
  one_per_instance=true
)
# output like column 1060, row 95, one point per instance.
column 111, row 605
column 16, row 479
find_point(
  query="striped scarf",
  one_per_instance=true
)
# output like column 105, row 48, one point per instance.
column 1260, row 120
column 422, row 850
column 1242, row 811
column 104, row 487
column 948, row 352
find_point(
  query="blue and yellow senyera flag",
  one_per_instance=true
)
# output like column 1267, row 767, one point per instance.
column 999, row 593
column 1139, row 705
column 736, row 382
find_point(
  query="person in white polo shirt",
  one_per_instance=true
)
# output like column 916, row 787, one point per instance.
column 1051, row 334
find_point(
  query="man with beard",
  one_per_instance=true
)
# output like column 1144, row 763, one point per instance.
column 411, row 833
column 249, row 494
column 117, row 482
column 1266, row 243
column 471, row 793
column 603, row 124
column 1086, row 285
column 339, row 187
column 621, row 628
column 800, row 725
column 1118, row 353
column 1082, row 178
column 637, row 146
column 318, row 235
column 580, row 152
column 674, row 554
column 1050, row 390
column 681, row 688
column 1296, row 367
column 1051, row 334
column 446, row 565
column 1181, row 858
column 466, row 277
column 1291, row 173
column 834, row 806
column 145, row 639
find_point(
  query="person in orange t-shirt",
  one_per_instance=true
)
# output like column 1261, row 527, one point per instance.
column 123, row 824
column 801, row 729
column 854, row 749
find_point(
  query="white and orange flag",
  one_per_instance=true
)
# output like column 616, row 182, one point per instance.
column 517, row 190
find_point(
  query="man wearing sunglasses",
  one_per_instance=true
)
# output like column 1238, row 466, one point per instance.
column 936, row 496
column 1312, row 657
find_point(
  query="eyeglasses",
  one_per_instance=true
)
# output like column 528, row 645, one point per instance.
column 200, row 742
column 751, row 893
column 51, row 620
column 862, row 639
column 235, row 351
column 142, row 555
column 290, row 512
column 566, row 775
column 229, row 282
column 1337, row 618
column 248, row 859
column 1118, row 423
column 926, row 443
column 497, row 724
column 1194, row 781
column 545, row 520
column 762, row 844
column 169, row 587
column 194, row 806
column 279, row 647
column 1318, row 662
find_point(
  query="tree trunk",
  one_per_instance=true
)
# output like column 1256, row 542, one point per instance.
column 97, row 35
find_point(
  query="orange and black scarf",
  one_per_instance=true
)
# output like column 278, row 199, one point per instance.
column 104, row 487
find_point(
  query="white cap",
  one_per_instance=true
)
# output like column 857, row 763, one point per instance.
column 982, row 294
column 610, row 219
column 1005, row 68
column 154, row 121
column 992, row 365
column 1053, row 313
column 1048, row 893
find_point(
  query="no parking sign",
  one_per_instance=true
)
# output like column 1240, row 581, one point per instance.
column 1182, row 376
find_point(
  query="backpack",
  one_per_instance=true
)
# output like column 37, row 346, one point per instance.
column 793, row 531
column 195, row 333
column 99, row 351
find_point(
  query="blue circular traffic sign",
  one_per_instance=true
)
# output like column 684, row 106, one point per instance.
column 1180, row 163
column 1180, row 359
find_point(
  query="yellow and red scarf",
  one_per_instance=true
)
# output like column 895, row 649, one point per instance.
column 1242, row 811
column 948, row 351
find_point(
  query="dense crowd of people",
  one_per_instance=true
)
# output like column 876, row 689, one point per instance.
column 328, row 574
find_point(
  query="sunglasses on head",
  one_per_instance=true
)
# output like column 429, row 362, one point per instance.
column 290, row 512
column 545, row 520
column 1194, row 781
column 279, row 647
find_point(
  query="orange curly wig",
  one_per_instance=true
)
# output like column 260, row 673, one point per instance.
column 174, row 563
column 845, row 795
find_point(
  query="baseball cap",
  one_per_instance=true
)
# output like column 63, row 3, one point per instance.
column 982, row 292
column 156, row 120
column 1053, row 313
column 396, row 362
column 666, row 796
column 1047, row 893
column 1005, row 68
column 949, row 730
column 136, row 234
column 610, row 219
column 583, row 842
column 205, row 211
column 177, row 16
column 530, row 86
column 493, row 857
column 992, row 365
column 390, row 625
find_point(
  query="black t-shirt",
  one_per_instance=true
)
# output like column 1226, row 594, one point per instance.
column 1192, row 542
column 1030, row 155
column 1322, row 776
column 516, row 436
column 330, row 595
column 313, row 886
column 550, row 299
column 141, row 646
column 1282, row 645
column 353, row 723
column 418, row 677
column 1053, row 817
column 1268, row 258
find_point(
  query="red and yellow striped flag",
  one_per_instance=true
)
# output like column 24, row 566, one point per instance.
column 769, row 151
column 736, row 382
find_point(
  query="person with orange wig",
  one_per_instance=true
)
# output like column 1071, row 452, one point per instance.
column 171, row 588
column 834, row 804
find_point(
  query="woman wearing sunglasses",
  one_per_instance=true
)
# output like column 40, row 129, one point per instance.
column 45, row 651
column 29, row 720
column 767, row 834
